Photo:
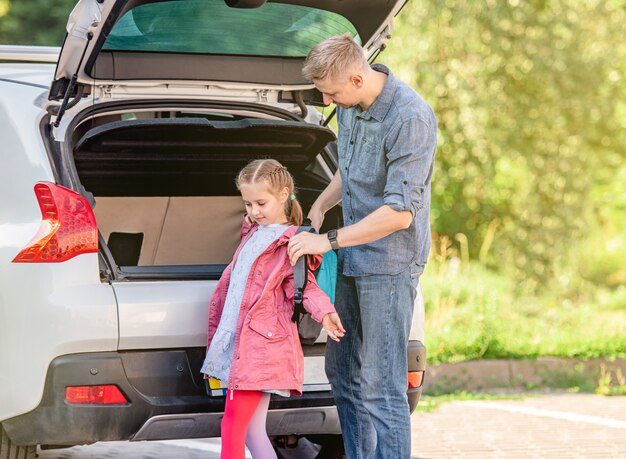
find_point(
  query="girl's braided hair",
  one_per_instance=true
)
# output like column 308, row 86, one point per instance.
column 277, row 177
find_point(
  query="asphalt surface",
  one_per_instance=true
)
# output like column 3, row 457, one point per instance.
column 537, row 426
column 554, row 426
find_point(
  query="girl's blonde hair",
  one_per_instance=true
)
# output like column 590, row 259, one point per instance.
column 277, row 177
column 334, row 57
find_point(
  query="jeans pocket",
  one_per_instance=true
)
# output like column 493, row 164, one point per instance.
column 416, row 271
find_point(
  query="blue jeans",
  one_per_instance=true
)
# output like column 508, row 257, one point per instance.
column 368, row 367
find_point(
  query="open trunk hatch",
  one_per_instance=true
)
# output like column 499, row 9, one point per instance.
column 138, row 42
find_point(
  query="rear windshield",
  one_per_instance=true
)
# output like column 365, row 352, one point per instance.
column 211, row 27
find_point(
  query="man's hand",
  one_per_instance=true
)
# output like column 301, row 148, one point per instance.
column 307, row 243
column 317, row 217
column 333, row 327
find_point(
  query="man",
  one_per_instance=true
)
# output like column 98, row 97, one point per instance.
column 387, row 140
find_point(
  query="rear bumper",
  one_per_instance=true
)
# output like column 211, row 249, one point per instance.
column 320, row 420
column 167, row 399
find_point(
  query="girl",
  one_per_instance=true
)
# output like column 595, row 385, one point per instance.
column 252, row 342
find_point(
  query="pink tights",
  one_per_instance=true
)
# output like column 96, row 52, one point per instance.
column 244, row 425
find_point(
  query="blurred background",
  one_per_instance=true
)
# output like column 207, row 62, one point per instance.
column 529, row 192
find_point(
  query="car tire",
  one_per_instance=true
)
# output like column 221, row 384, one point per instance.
column 8, row 450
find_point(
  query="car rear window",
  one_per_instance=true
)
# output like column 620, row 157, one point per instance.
column 211, row 27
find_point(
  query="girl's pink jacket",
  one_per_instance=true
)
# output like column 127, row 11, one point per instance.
column 268, row 354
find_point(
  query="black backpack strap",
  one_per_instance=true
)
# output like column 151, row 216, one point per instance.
column 300, row 275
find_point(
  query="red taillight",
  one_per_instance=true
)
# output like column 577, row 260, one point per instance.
column 415, row 379
column 95, row 395
column 68, row 227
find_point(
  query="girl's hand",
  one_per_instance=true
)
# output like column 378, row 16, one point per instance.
column 248, row 219
column 333, row 327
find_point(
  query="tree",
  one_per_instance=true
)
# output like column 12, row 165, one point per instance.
column 34, row 22
column 529, row 97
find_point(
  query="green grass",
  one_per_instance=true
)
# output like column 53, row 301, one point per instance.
column 475, row 313
column 611, row 383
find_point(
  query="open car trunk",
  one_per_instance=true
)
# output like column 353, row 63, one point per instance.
column 166, row 201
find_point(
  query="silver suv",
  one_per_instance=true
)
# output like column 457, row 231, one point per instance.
column 119, row 210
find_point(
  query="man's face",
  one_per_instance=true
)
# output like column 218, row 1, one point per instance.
column 341, row 90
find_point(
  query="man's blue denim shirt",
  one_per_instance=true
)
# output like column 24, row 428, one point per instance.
column 386, row 156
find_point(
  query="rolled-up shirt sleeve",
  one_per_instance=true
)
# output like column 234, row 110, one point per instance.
column 409, row 150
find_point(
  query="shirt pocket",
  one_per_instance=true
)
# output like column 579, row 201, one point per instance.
column 369, row 156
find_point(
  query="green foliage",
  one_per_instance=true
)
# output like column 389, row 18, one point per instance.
column 530, row 102
column 34, row 22
column 609, row 386
column 4, row 7
column 473, row 313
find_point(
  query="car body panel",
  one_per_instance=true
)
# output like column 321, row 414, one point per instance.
column 30, row 53
column 70, row 310
column 168, row 314
column 419, row 313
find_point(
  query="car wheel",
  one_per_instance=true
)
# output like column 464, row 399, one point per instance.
column 8, row 450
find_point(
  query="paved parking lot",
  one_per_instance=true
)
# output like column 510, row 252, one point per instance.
column 545, row 426
column 554, row 426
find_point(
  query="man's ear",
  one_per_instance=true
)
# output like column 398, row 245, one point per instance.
column 356, row 80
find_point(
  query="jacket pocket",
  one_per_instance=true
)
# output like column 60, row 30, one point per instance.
column 269, row 329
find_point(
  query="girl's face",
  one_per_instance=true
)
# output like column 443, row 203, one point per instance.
column 262, row 205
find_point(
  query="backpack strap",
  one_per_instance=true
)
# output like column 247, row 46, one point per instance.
column 300, row 275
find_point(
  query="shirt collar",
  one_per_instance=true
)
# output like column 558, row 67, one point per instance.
column 378, row 110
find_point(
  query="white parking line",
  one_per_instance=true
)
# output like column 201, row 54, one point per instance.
column 199, row 446
column 567, row 416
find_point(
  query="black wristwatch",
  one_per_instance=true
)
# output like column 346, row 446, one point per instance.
column 332, row 237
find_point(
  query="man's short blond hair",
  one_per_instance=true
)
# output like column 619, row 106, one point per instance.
column 334, row 57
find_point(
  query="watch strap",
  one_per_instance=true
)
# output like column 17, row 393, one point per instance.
column 332, row 237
